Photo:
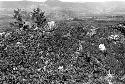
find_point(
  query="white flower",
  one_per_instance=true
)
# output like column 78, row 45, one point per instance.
column 120, row 25
column 39, row 69
column 109, row 77
column 115, row 37
column 2, row 33
column 18, row 43
column 60, row 67
column 91, row 32
column 51, row 24
column 102, row 47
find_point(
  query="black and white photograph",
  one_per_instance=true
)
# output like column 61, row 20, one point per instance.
column 62, row 41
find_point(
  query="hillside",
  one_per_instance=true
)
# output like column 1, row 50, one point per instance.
column 115, row 7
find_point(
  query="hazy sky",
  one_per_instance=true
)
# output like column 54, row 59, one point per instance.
column 70, row 0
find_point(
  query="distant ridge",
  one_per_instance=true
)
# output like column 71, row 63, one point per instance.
column 111, row 7
column 17, row 4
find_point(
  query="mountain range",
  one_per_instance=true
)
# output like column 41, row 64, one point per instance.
column 86, row 8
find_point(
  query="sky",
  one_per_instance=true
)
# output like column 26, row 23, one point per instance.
column 69, row 0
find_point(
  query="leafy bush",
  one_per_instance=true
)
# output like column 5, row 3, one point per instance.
column 30, row 54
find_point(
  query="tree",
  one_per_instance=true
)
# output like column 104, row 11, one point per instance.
column 38, row 17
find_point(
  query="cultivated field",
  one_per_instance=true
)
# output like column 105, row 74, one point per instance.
column 37, row 50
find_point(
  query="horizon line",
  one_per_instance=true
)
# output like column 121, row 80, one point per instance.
column 67, row 1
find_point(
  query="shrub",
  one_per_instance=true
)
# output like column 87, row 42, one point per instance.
column 31, row 54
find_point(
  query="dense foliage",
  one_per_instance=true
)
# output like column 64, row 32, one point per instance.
column 66, row 54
